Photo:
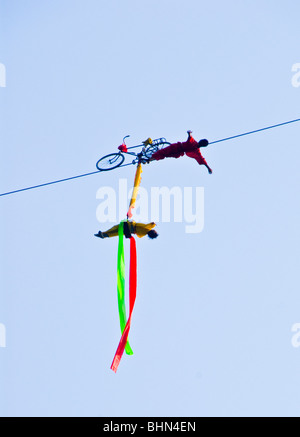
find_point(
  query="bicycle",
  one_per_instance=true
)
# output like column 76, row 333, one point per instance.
column 114, row 160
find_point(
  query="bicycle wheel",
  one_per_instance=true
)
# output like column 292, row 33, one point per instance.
column 109, row 162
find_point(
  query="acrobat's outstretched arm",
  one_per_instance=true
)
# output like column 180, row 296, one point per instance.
column 208, row 168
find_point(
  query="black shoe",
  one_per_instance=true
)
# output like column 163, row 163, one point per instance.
column 100, row 235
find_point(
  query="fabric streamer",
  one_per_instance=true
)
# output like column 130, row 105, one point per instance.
column 125, row 326
column 121, row 284
column 137, row 181
column 132, row 295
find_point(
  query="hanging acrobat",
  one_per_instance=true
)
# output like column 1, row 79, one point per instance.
column 131, row 227
column 127, row 228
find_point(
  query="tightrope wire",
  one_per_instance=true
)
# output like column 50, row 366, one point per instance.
column 124, row 165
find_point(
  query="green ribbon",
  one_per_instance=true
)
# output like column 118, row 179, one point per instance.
column 121, row 285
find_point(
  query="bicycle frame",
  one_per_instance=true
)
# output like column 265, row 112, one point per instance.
column 116, row 159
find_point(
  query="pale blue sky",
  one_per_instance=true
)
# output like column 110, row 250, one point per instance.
column 211, row 330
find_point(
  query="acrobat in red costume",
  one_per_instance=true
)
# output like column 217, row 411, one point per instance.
column 190, row 147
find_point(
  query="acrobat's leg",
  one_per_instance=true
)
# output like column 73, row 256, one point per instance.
column 101, row 235
column 112, row 232
column 173, row 151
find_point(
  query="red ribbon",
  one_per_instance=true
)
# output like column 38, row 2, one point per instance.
column 132, row 296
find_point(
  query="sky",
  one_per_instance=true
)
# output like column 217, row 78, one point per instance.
column 212, row 325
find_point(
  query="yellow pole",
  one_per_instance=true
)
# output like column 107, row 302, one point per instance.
column 137, row 181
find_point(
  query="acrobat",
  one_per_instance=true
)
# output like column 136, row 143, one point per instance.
column 190, row 148
column 131, row 227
